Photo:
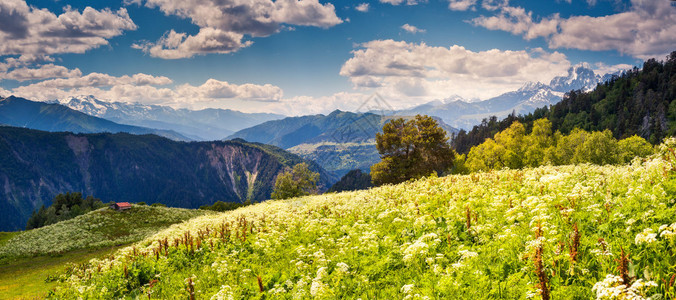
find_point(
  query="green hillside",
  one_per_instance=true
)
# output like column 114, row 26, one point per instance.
column 565, row 232
column 30, row 260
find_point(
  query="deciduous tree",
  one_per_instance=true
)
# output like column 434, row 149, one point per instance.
column 411, row 149
column 299, row 181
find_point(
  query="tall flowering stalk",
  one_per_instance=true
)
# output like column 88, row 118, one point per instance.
column 543, row 281
column 574, row 244
column 468, row 216
column 191, row 289
column 260, row 283
column 623, row 267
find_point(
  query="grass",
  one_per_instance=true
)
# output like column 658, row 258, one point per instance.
column 6, row 236
column 541, row 233
column 24, row 278
column 97, row 229
column 27, row 258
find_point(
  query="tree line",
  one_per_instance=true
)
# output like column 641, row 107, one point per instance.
column 65, row 206
column 513, row 148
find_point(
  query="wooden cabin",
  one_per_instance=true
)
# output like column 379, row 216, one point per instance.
column 120, row 206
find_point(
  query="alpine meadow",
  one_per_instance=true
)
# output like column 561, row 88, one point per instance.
column 568, row 232
column 336, row 149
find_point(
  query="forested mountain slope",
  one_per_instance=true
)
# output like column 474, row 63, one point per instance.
column 35, row 166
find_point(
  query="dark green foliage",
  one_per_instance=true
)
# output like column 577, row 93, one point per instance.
column 36, row 166
column 224, row 206
column 352, row 181
column 411, row 149
column 65, row 206
column 158, row 205
column 296, row 182
column 639, row 102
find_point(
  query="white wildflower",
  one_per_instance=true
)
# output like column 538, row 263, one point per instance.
column 343, row 268
column 646, row 237
column 225, row 293
column 407, row 289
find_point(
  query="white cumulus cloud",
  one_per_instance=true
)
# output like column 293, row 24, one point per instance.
column 101, row 80
column 461, row 5
column 418, row 71
column 175, row 45
column 412, row 29
column 145, row 88
column 27, row 30
column 645, row 30
column 224, row 23
column 215, row 89
column 41, row 72
column 407, row 2
column 364, row 7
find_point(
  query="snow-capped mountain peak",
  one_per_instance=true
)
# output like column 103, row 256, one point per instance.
column 579, row 77
column 87, row 104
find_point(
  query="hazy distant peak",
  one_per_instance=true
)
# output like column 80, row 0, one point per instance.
column 206, row 124
column 531, row 86
column 453, row 98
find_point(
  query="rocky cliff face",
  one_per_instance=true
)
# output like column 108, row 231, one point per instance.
column 35, row 166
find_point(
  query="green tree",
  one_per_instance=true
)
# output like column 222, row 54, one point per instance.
column 299, row 181
column 352, row 181
column 486, row 156
column 512, row 140
column 539, row 143
column 634, row 146
column 568, row 144
column 506, row 150
column 64, row 206
column 598, row 148
column 411, row 149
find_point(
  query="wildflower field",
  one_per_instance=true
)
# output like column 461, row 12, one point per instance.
column 565, row 232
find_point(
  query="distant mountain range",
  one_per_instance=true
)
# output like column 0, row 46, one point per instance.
column 336, row 127
column 202, row 125
column 20, row 112
column 464, row 114
column 35, row 166
column 339, row 142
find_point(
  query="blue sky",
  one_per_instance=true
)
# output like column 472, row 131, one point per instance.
column 310, row 56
